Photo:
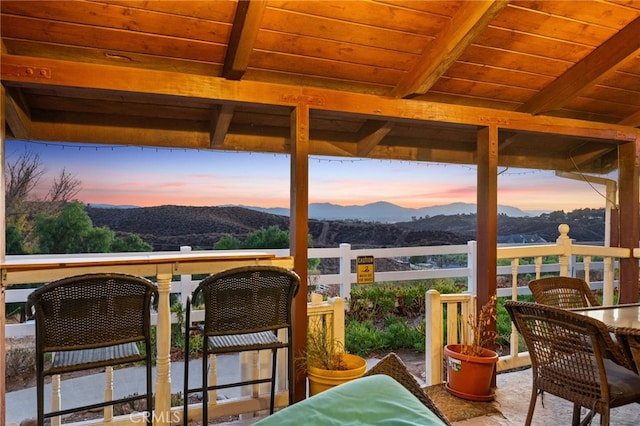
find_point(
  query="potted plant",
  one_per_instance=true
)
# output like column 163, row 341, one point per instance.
column 326, row 362
column 470, row 365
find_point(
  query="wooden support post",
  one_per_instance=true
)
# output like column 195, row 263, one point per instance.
column 629, row 164
column 299, row 230
column 3, row 315
column 487, row 216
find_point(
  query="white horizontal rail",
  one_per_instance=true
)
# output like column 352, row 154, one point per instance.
column 563, row 249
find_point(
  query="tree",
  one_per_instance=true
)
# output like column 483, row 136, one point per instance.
column 129, row 243
column 63, row 190
column 14, row 240
column 23, row 207
column 22, row 176
column 227, row 242
column 270, row 238
column 72, row 232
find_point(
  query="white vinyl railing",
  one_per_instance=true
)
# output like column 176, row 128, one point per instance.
column 437, row 335
column 179, row 282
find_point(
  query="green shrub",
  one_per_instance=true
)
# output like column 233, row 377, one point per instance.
column 20, row 362
column 398, row 334
column 362, row 338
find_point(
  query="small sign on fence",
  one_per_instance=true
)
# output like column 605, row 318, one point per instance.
column 365, row 269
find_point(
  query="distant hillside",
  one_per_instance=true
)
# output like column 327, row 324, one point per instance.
column 169, row 227
column 383, row 211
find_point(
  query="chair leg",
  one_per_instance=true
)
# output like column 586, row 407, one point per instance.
column 205, row 383
column 575, row 420
column 185, row 378
column 532, row 406
column 290, row 373
column 273, row 379
column 40, row 392
column 150, row 404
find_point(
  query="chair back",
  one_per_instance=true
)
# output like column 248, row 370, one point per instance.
column 91, row 311
column 568, row 351
column 247, row 299
column 563, row 292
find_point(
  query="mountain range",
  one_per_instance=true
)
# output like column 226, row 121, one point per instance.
column 169, row 227
column 385, row 212
column 380, row 211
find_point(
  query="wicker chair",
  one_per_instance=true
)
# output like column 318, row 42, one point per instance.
column 574, row 358
column 392, row 366
column 563, row 292
column 244, row 308
column 91, row 321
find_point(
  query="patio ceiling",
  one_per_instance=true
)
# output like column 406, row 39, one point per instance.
column 409, row 80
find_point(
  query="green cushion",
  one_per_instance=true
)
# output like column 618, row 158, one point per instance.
column 372, row 400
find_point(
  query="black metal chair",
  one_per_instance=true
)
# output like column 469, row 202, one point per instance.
column 244, row 308
column 92, row 321
column 563, row 292
column 574, row 358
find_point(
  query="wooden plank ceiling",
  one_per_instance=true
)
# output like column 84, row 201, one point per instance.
column 408, row 80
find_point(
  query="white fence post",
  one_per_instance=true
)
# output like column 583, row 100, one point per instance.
column 564, row 242
column 345, row 270
column 607, row 288
column 185, row 281
column 472, row 266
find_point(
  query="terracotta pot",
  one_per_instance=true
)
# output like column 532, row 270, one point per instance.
column 321, row 379
column 469, row 377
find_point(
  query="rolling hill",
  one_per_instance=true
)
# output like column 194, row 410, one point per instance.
column 169, row 227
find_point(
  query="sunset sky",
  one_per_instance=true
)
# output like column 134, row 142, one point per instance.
column 149, row 177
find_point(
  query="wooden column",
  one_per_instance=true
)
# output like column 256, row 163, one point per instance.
column 487, row 214
column 629, row 163
column 3, row 221
column 299, row 230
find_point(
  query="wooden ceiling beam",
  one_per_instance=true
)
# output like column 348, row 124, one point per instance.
column 371, row 134
column 246, row 25
column 220, row 123
column 20, row 71
column 17, row 113
column 468, row 22
column 582, row 160
column 623, row 46
column 633, row 120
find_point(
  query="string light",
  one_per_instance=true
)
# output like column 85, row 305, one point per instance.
column 342, row 160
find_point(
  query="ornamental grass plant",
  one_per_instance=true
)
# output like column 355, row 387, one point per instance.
column 482, row 336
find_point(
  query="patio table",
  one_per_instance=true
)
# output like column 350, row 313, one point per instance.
column 624, row 322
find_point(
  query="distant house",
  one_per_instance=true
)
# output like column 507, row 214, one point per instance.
column 521, row 239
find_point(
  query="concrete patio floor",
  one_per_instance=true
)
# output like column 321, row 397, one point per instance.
column 512, row 401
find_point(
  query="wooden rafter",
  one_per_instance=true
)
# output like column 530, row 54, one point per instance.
column 120, row 80
column 243, row 36
column 633, row 120
column 17, row 114
column 623, row 46
column 579, row 159
column 461, row 30
column 370, row 135
column 220, row 123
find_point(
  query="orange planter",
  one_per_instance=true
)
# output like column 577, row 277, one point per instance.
column 469, row 377
column 321, row 380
